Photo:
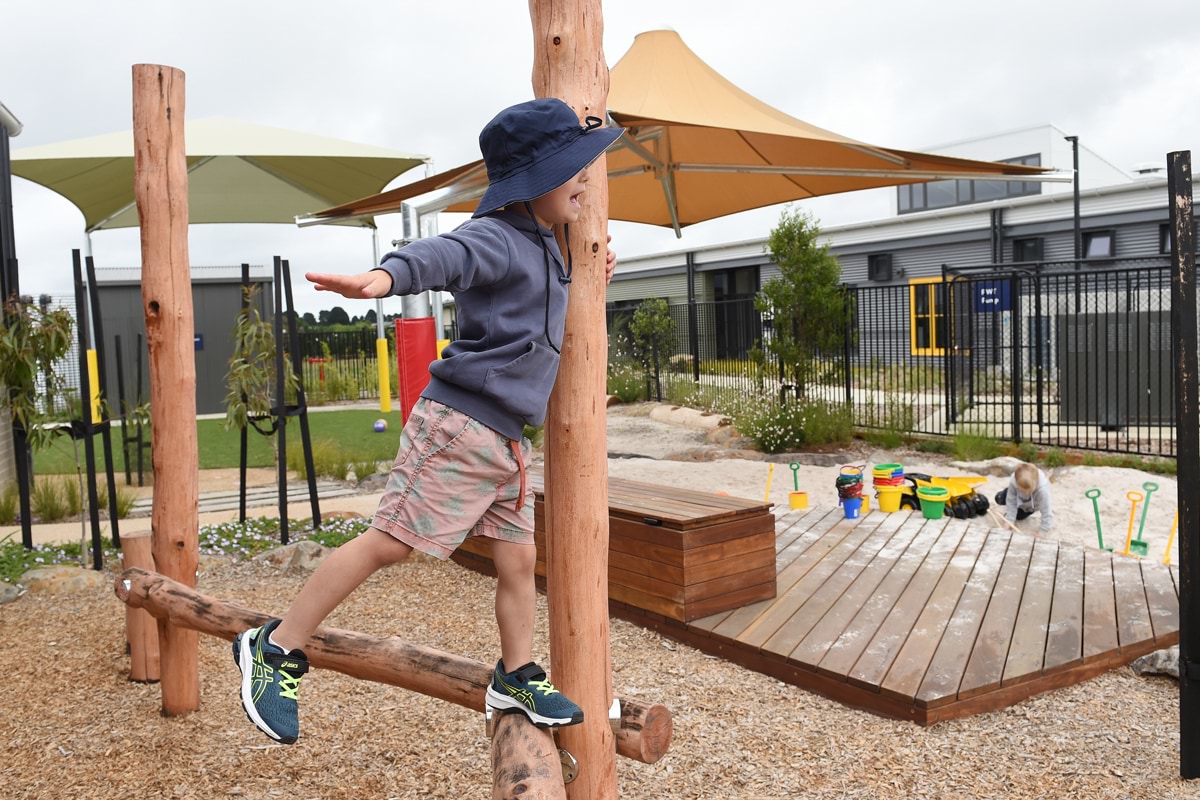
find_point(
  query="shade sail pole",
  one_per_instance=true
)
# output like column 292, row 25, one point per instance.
column 569, row 63
column 161, row 187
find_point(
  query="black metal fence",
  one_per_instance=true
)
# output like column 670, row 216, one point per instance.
column 1066, row 354
column 341, row 365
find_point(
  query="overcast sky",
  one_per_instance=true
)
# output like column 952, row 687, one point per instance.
column 423, row 77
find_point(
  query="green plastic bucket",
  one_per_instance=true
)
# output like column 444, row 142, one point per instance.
column 933, row 501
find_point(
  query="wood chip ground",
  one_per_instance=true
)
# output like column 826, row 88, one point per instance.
column 72, row 726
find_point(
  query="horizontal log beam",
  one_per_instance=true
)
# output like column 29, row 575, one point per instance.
column 645, row 729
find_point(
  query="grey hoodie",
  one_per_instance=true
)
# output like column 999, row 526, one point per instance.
column 510, row 290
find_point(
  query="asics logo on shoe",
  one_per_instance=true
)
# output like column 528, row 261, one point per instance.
column 288, row 665
column 523, row 695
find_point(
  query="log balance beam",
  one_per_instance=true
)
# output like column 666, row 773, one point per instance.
column 645, row 729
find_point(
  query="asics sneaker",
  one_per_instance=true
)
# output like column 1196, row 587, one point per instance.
column 527, row 690
column 270, row 679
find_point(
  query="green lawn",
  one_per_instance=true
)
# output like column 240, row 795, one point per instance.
column 352, row 429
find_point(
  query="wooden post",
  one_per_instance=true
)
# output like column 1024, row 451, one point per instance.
column 568, row 63
column 141, row 629
column 160, row 184
column 645, row 729
column 525, row 764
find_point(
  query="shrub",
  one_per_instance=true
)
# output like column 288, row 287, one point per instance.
column 626, row 382
column 126, row 497
column 47, row 500
column 943, row 446
column 888, row 440
column 9, row 502
column 1056, row 458
column 974, row 445
column 71, row 495
column 1027, row 451
column 830, row 423
column 364, row 469
column 775, row 427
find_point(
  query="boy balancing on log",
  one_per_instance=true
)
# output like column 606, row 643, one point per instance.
column 460, row 469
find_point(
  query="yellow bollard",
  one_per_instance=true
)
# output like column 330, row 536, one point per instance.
column 1171, row 540
column 93, row 369
column 385, row 381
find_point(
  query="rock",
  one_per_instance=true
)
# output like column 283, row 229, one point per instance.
column 724, row 435
column 63, row 578
column 710, row 453
column 1160, row 662
column 374, row 483
column 302, row 556
column 8, row 592
column 814, row 459
column 1002, row 466
column 687, row 417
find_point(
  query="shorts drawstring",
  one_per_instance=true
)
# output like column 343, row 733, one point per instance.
column 516, row 448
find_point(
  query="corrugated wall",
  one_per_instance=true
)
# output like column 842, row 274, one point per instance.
column 671, row 287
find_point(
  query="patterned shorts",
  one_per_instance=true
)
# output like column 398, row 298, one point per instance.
column 455, row 477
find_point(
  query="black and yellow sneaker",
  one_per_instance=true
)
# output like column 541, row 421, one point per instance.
column 527, row 690
column 270, row 679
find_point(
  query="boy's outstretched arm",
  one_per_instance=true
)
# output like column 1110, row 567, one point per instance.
column 363, row 285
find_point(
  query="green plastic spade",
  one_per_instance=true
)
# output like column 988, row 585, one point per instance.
column 795, row 465
column 1094, row 496
column 1138, row 545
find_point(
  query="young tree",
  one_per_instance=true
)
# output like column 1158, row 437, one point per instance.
column 806, row 301
column 652, row 336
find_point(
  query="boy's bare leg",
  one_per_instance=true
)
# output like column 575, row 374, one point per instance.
column 339, row 575
column 516, row 600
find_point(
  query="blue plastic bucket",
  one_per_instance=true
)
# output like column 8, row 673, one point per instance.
column 852, row 507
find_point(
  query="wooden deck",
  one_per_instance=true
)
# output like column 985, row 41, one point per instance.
column 933, row 620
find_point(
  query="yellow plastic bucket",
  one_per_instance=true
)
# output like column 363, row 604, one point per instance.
column 798, row 499
column 889, row 498
column 933, row 501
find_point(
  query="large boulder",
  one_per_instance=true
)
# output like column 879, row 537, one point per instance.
column 63, row 578
column 301, row 556
column 1160, row 662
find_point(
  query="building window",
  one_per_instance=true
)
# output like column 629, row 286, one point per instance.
column 928, row 321
column 1099, row 244
column 1027, row 249
column 879, row 267
column 943, row 194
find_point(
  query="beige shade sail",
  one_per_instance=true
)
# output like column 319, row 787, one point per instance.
column 237, row 172
column 699, row 148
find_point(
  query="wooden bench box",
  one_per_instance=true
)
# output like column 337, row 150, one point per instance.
column 675, row 552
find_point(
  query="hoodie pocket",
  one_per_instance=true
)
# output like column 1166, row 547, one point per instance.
column 522, row 386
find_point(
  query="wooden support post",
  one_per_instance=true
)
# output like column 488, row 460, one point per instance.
column 568, row 63
column 645, row 729
column 525, row 763
column 141, row 629
column 160, row 184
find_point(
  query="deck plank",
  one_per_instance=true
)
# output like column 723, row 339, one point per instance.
column 904, row 675
column 1160, row 596
column 877, row 658
column 849, row 646
column 1064, row 641
column 799, row 624
column 1099, row 605
column 823, row 565
column 733, row 625
column 945, row 673
column 985, row 667
column 817, row 642
column 1133, row 616
column 1027, row 652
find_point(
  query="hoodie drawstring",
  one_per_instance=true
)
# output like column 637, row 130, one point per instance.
column 563, row 277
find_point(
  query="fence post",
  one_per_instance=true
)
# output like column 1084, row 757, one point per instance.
column 1016, row 360
column 846, row 348
column 1183, row 325
column 693, row 322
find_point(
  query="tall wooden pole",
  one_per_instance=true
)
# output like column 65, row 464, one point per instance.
column 160, row 184
column 569, row 63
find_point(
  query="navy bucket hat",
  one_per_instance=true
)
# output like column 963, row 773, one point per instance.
column 533, row 148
